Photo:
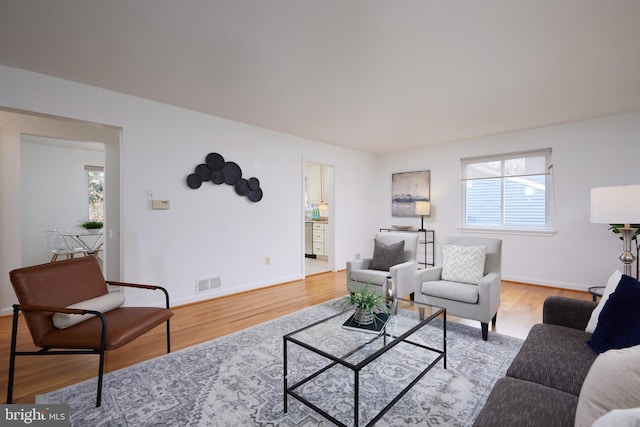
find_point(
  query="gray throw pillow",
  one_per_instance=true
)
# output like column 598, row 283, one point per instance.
column 386, row 256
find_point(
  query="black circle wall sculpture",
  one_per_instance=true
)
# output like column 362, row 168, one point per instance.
column 215, row 161
column 203, row 172
column 218, row 171
column 194, row 181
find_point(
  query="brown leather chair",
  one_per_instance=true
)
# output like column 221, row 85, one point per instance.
column 46, row 289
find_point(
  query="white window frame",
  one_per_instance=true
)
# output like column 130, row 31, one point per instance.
column 466, row 174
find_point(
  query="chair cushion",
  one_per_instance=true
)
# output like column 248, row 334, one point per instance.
column 613, row 382
column 124, row 324
column 386, row 256
column 102, row 304
column 454, row 291
column 463, row 263
column 373, row 277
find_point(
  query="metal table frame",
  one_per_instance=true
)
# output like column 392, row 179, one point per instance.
column 291, row 390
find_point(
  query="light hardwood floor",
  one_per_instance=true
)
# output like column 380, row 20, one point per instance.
column 521, row 307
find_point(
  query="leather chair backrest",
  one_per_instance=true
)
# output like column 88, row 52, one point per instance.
column 56, row 284
column 410, row 242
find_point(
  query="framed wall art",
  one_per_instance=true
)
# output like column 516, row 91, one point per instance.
column 407, row 188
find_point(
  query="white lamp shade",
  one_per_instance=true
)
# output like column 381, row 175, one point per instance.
column 423, row 208
column 616, row 205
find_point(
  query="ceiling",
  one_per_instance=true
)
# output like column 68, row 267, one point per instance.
column 373, row 75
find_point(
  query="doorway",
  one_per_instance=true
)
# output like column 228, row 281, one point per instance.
column 318, row 213
column 57, row 191
column 18, row 124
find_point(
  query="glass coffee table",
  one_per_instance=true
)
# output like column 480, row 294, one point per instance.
column 325, row 346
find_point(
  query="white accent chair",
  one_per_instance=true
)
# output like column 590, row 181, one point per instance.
column 59, row 246
column 476, row 301
column 359, row 273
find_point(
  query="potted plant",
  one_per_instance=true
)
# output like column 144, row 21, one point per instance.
column 92, row 225
column 368, row 305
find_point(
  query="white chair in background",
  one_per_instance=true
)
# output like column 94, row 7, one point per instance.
column 59, row 246
column 468, row 281
column 373, row 271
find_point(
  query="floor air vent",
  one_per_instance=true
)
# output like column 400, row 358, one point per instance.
column 207, row 285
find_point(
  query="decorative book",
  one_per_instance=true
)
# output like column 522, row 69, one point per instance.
column 372, row 328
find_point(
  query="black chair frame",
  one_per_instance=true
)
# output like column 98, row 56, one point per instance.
column 47, row 351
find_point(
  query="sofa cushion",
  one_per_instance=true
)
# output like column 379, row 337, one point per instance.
column 373, row 277
column 555, row 356
column 613, row 382
column 386, row 256
column 619, row 418
column 103, row 303
column 619, row 321
column 463, row 263
column 454, row 291
column 611, row 286
column 517, row 403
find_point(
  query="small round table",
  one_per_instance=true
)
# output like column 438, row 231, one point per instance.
column 596, row 291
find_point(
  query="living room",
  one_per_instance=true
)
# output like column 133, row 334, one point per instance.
column 160, row 145
column 211, row 232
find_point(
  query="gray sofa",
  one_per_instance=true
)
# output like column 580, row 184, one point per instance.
column 543, row 382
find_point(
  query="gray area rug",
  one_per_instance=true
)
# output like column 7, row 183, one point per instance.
column 237, row 380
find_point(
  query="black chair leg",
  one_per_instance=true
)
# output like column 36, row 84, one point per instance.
column 168, row 338
column 100, row 375
column 103, row 349
column 493, row 321
column 485, row 330
column 12, row 357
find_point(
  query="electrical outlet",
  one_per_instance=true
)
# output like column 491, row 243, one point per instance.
column 357, row 256
column 150, row 194
column 267, row 260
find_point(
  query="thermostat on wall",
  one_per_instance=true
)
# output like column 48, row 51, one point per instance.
column 160, row 204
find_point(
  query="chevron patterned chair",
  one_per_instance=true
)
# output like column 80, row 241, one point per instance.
column 468, row 281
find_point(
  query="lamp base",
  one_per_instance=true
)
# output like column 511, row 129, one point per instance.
column 627, row 257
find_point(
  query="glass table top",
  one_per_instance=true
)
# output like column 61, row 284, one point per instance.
column 354, row 348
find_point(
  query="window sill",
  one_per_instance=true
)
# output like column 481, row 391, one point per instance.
column 520, row 231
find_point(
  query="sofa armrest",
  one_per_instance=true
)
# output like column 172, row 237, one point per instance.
column 569, row 312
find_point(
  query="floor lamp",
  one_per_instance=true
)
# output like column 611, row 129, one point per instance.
column 618, row 205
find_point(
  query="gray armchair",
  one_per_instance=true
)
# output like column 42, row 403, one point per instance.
column 360, row 273
column 472, row 295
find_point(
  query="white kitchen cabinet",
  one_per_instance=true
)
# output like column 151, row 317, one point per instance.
column 320, row 239
column 317, row 183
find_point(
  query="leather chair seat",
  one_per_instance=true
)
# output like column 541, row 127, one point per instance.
column 124, row 324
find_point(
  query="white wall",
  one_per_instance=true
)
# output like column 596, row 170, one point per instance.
column 213, row 232
column 586, row 154
column 207, row 232
column 54, row 193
